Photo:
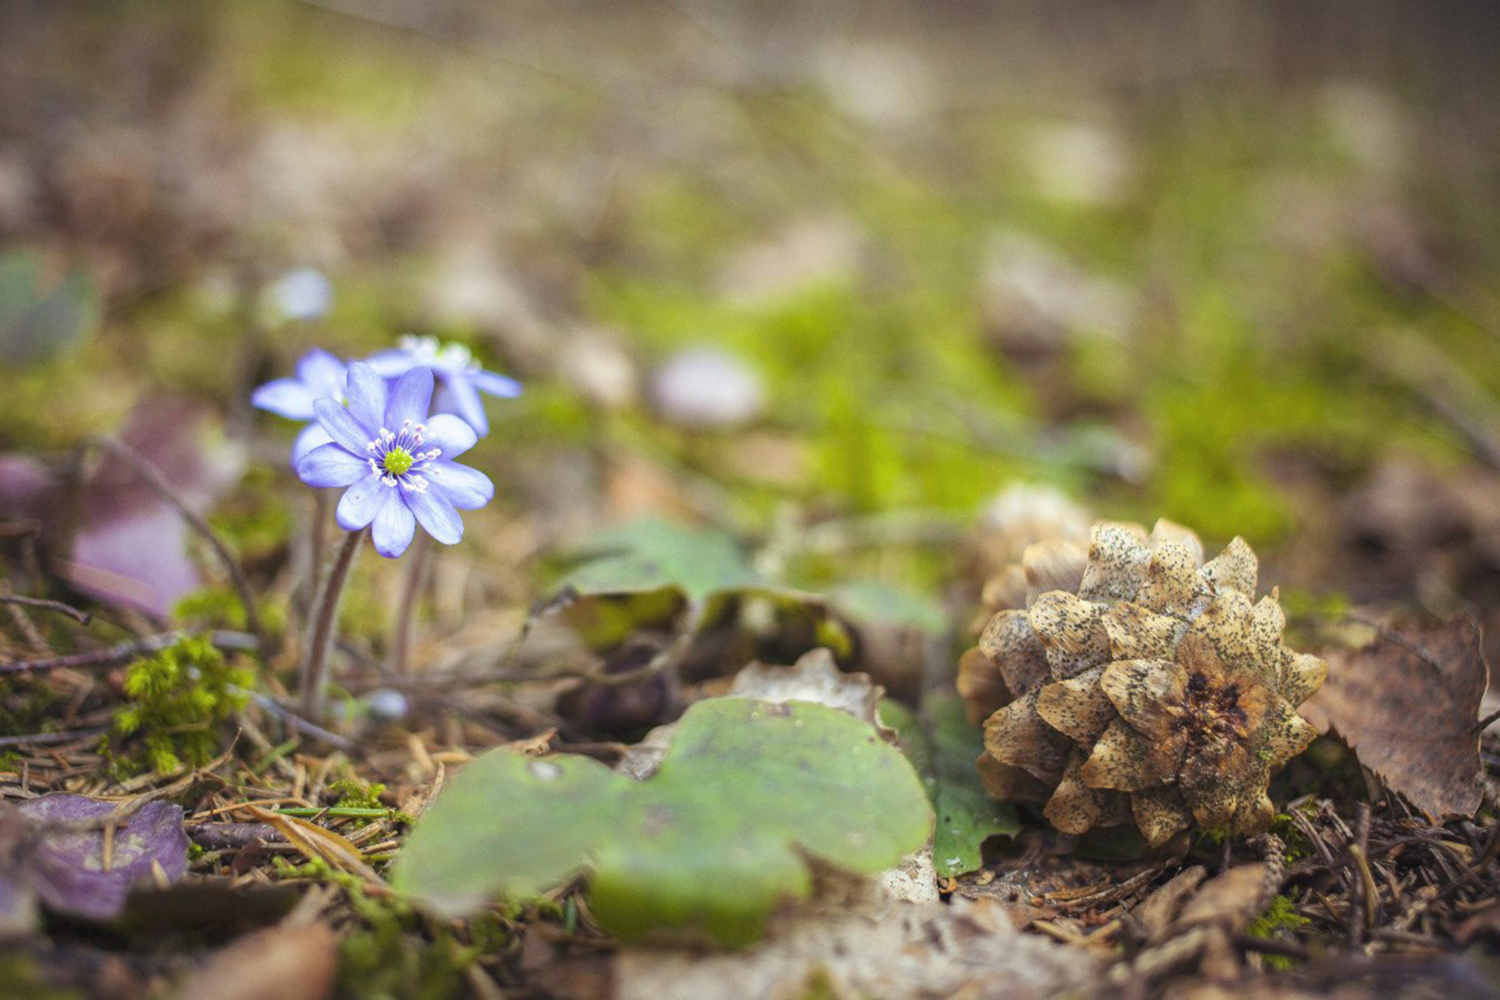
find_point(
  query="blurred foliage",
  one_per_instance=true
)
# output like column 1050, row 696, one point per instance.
column 1245, row 345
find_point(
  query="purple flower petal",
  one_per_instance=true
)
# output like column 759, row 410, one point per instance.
column 341, row 425
column 285, row 397
column 465, row 401
column 450, row 435
column 330, row 465
column 320, row 371
column 367, row 397
column 392, row 363
column 361, row 502
column 495, row 384
column 310, row 437
column 463, row 487
column 394, row 526
column 437, row 515
column 410, row 399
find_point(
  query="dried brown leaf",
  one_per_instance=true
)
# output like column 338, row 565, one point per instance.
column 1229, row 900
column 316, row 842
column 1156, row 913
column 1408, row 703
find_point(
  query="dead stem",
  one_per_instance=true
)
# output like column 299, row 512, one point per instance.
column 81, row 617
column 320, row 639
column 158, row 482
column 406, row 612
column 113, row 655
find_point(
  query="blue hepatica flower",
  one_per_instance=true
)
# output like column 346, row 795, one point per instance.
column 396, row 461
column 461, row 376
column 319, row 374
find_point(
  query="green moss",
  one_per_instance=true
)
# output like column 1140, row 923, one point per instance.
column 179, row 702
column 355, row 794
column 1297, row 844
column 394, row 952
column 1278, row 920
column 24, row 980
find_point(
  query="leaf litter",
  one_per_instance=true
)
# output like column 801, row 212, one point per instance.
column 1388, row 868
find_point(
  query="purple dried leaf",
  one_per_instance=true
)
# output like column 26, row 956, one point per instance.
column 64, row 867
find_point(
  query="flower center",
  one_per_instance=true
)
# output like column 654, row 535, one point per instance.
column 398, row 459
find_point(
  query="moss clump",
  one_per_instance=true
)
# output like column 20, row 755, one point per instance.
column 179, row 701
column 355, row 794
column 397, row 954
column 1278, row 920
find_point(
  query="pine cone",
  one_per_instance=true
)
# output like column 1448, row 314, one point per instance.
column 1140, row 684
column 1015, row 519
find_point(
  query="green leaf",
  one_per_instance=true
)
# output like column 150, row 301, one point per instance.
column 710, row 843
column 650, row 554
column 37, row 323
column 943, row 746
column 874, row 601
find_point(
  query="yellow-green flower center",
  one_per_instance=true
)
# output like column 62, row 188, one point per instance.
column 398, row 461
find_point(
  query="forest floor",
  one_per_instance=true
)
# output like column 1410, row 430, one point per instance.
column 821, row 319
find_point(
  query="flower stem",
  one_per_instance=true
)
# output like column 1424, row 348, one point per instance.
column 320, row 639
column 406, row 614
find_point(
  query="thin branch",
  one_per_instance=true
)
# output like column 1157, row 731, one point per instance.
column 158, row 482
column 117, row 654
column 41, row 739
column 81, row 617
column 295, row 721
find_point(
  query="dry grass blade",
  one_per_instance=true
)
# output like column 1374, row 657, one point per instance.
column 317, row 842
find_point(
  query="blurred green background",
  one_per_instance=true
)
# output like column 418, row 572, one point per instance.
column 1229, row 263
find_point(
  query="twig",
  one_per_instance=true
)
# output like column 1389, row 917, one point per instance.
column 124, row 651
column 1484, row 723
column 231, row 836
column 1273, row 946
column 300, row 724
column 158, row 482
column 65, row 736
column 1362, row 893
column 81, row 617
column 1093, row 897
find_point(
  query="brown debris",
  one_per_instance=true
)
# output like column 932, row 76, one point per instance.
column 1407, row 703
column 280, row 963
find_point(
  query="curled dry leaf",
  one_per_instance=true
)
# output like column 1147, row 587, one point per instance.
column 1156, row 913
column 1408, row 703
column 315, row 841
